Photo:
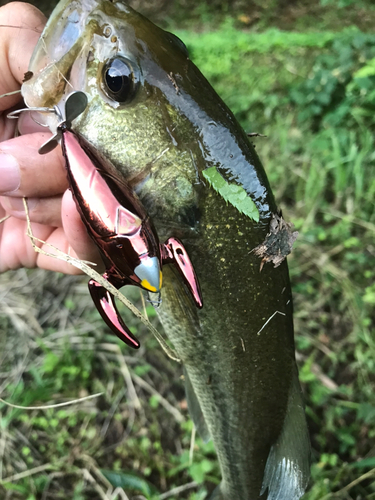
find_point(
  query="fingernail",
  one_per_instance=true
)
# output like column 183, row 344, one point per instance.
column 16, row 204
column 10, row 176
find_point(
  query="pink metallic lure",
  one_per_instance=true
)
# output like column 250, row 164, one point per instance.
column 118, row 224
column 116, row 221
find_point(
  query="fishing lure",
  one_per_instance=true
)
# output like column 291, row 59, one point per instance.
column 116, row 221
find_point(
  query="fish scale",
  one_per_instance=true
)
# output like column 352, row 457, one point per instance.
column 238, row 350
column 242, row 374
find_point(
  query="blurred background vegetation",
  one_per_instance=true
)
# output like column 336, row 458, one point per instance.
column 303, row 74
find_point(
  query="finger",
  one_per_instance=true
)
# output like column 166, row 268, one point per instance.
column 24, row 172
column 16, row 249
column 27, row 125
column 21, row 26
column 41, row 210
column 57, row 240
column 7, row 128
column 76, row 233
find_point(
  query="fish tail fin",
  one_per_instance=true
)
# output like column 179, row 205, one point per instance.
column 287, row 470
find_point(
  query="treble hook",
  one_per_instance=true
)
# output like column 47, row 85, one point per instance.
column 75, row 104
column 15, row 114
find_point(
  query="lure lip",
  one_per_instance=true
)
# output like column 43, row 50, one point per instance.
column 149, row 272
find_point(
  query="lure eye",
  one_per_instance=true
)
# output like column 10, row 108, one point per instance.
column 119, row 80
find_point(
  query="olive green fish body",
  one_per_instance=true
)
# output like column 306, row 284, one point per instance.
column 168, row 130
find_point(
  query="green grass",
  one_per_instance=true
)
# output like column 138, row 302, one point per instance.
column 311, row 94
column 314, row 105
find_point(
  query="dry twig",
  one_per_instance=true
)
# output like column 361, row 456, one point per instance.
column 4, row 218
column 179, row 489
column 340, row 493
column 57, row 405
column 28, row 473
column 9, row 94
column 171, row 409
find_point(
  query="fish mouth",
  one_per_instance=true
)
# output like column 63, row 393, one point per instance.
column 58, row 47
column 63, row 29
column 59, row 61
column 59, row 56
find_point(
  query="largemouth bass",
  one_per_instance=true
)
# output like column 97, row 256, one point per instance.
column 157, row 119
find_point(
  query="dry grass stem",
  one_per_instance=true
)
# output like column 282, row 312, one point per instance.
column 82, row 265
column 111, row 493
column 57, row 405
column 350, row 218
column 98, row 474
column 170, row 409
column 27, row 473
column 317, row 371
column 144, row 305
column 340, row 493
column 51, row 477
column 192, row 444
column 111, row 412
column 97, row 487
column 179, row 489
column 269, row 319
column 118, row 493
column 8, row 216
column 7, row 95
column 132, row 393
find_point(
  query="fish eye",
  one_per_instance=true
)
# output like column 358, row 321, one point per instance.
column 119, row 80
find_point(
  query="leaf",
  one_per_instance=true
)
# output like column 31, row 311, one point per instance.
column 367, row 70
column 198, row 471
column 232, row 193
column 130, row 481
column 366, row 412
column 50, row 362
column 364, row 464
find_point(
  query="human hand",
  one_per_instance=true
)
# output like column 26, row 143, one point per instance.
column 25, row 173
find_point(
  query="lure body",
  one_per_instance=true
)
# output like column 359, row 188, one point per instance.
column 120, row 227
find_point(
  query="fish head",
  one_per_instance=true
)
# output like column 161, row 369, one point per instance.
column 135, row 76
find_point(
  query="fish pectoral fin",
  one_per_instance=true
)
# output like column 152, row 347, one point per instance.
column 105, row 304
column 195, row 410
column 175, row 252
column 287, row 470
